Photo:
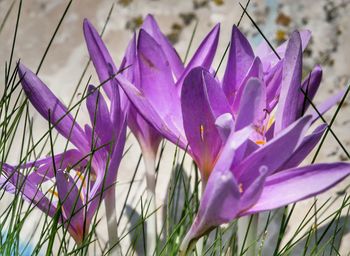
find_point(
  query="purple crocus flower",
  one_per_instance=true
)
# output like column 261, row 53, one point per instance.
column 158, row 99
column 83, row 175
column 257, row 151
column 247, row 175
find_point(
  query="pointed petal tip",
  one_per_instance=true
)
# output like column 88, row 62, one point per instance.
column 295, row 37
column 28, row 78
column 195, row 72
column 318, row 68
column 89, row 29
column 144, row 38
column 22, row 69
column 238, row 35
column 87, row 25
column 216, row 28
column 235, row 29
column 150, row 17
column 91, row 88
column 86, row 22
column 306, row 33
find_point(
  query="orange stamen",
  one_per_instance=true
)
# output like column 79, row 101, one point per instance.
column 260, row 142
column 240, row 188
column 201, row 129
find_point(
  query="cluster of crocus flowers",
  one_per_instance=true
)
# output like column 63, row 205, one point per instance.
column 247, row 132
column 152, row 65
column 83, row 175
column 190, row 113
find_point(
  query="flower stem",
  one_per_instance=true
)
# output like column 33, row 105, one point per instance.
column 149, row 158
column 200, row 242
column 186, row 245
column 112, row 223
column 247, row 235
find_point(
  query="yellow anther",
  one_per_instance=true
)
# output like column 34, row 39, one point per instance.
column 260, row 142
column 81, row 178
column 240, row 188
column 53, row 192
column 271, row 119
column 93, row 177
column 201, row 129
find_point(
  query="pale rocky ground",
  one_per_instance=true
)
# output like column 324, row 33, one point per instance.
column 328, row 20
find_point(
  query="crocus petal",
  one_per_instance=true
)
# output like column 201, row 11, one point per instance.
column 203, row 56
column 310, row 86
column 273, row 81
column 105, row 181
column 46, row 102
column 116, row 156
column 239, row 61
column 99, row 115
column 156, row 78
column 130, row 59
column 254, row 71
column 72, row 205
column 98, row 161
column 298, row 184
column 102, row 60
column 6, row 185
column 148, row 137
column 220, row 200
column 202, row 101
column 162, row 122
column 45, row 170
column 233, row 143
column 152, row 28
column 99, row 55
column 30, row 191
column 117, row 115
column 225, row 125
column 305, row 147
column 282, row 146
column 219, row 203
column 251, row 194
column 252, row 105
column 288, row 108
column 251, row 112
column 269, row 58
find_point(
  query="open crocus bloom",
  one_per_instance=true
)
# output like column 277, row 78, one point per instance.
column 153, row 66
column 83, row 175
column 257, row 150
column 188, row 118
column 262, row 181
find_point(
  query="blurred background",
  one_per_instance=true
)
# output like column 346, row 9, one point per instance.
column 61, row 71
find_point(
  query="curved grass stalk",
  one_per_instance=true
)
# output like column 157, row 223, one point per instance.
column 247, row 235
